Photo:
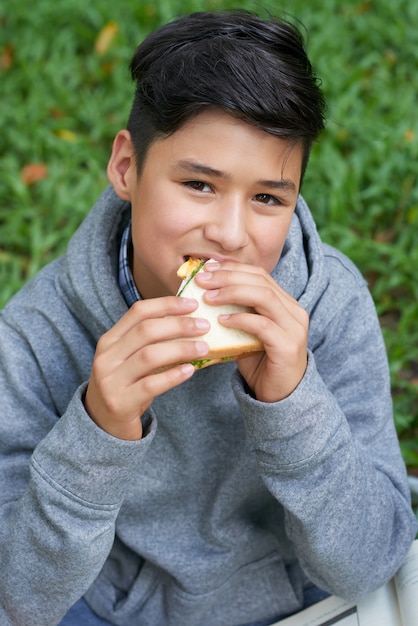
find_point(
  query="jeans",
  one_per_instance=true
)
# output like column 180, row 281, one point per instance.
column 81, row 614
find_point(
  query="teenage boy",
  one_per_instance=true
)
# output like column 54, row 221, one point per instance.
column 233, row 495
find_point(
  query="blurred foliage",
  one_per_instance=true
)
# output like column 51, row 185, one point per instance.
column 66, row 90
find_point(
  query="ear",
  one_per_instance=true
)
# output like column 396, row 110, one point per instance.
column 122, row 165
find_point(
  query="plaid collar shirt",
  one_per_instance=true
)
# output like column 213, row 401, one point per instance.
column 126, row 280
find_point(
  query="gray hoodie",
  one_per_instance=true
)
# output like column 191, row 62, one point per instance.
column 228, row 507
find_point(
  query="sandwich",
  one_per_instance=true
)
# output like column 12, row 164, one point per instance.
column 226, row 344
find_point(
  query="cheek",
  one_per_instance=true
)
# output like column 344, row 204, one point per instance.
column 152, row 219
column 269, row 246
column 156, row 233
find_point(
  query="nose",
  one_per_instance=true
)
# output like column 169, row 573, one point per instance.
column 227, row 225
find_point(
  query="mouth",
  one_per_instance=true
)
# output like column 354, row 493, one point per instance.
column 187, row 257
column 213, row 256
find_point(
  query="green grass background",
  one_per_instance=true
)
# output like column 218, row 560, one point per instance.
column 62, row 101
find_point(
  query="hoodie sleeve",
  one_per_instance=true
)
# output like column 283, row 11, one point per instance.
column 63, row 482
column 330, row 455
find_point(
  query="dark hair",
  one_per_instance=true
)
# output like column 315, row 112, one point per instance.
column 254, row 69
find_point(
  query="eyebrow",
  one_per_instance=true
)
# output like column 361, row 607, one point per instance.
column 194, row 167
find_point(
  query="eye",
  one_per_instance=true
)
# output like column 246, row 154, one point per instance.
column 198, row 185
column 266, row 198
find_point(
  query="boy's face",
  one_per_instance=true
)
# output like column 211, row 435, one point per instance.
column 217, row 188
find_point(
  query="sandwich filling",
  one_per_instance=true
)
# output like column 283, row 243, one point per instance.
column 187, row 271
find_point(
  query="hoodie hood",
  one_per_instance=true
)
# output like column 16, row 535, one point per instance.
column 91, row 277
column 300, row 270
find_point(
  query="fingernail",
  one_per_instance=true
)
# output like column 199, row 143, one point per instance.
column 201, row 347
column 212, row 293
column 205, row 275
column 189, row 302
column 187, row 369
column 212, row 266
column 202, row 324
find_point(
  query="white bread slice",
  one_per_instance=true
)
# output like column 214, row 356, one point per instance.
column 226, row 344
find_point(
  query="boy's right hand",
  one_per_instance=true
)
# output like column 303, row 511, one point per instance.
column 133, row 363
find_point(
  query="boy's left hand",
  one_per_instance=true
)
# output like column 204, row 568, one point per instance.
column 279, row 322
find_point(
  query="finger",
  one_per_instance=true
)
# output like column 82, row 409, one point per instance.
column 162, row 381
column 276, row 338
column 146, row 334
column 152, row 308
column 264, row 298
column 163, row 356
column 117, row 384
column 244, row 275
column 253, row 287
